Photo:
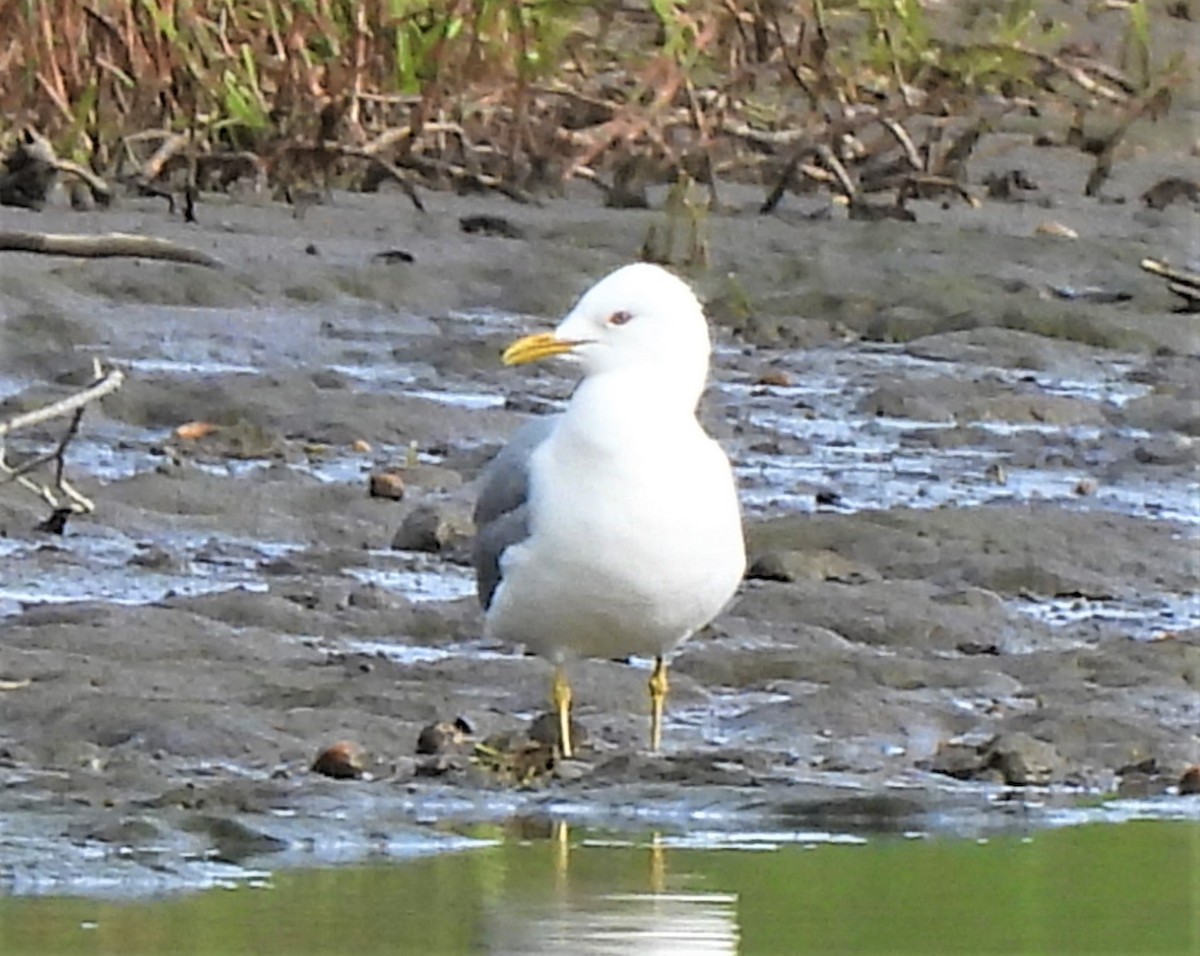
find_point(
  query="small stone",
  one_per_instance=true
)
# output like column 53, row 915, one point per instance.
column 976, row 648
column 826, row 498
column 957, row 760
column 194, row 431
column 488, row 225
column 344, row 760
column 1189, row 783
column 1023, row 760
column 775, row 377
column 393, row 256
column 386, row 484
column 433, row 529
column 371, row 597
column 1162, row 194
column 818, row 565
column 1056, row 229
column 569, row 771
column 443, row 736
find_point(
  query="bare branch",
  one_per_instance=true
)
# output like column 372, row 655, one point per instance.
column 109, row 245
column 73, row 405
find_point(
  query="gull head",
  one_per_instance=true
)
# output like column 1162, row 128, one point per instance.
column 640, row 317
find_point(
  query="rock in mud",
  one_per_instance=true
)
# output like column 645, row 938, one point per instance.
column 1015, row 759
column 1189, row 783
column 344, row 760
column 386, row 484
column 443, row 736
column 436, row 528
column 820, row 565
column 1022, row 760
column 1144, row 779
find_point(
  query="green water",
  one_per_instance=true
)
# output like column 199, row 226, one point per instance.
column 1125, row 888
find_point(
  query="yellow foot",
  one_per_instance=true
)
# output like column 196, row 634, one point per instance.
column 658, row 699
column 560, row 694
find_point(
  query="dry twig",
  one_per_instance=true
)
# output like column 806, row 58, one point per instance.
column 107, row 245
column 71, row 500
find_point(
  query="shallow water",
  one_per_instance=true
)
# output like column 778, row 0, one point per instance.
column 828, row 443
column 748, row 892
column 1128, row 888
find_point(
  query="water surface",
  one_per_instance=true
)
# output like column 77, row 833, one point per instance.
column 1125, row 888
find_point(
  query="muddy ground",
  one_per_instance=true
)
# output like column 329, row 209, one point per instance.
column 967, row 451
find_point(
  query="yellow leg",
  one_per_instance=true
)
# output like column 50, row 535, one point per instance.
column 561, row 695
column 560, row 833
column 658, row 700
column 658, row 865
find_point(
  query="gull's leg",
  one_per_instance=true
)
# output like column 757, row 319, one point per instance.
column 658, row 864
column 560, row 693
column 560, row 833
column 658, row 699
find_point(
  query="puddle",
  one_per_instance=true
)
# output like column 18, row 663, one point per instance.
column 425, row 654
column 195, row 368
column 1145, row 617
column 459, row 399
column 104, row 567
column 869, row 463
column 421, row 578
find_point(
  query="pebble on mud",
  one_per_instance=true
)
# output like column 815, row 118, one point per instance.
column 1056, row 229
column 194, row 431
column 818, row 565
column 433, row 529
column 386, row 484
column 443, row 735
column 1015, row 759
column 344, row 760
column 775, row 377
column 1189, row 783
column 1023, row 760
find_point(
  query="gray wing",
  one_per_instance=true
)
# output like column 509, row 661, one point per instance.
column 502, row 510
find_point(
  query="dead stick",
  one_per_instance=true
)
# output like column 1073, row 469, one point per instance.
column 1173, row 275
column 112, row 380
column 905, row 141
column 104, row 246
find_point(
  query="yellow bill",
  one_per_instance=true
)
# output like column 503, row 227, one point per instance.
column 533, row 348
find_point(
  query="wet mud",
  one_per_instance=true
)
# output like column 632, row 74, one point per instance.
column 970, row 496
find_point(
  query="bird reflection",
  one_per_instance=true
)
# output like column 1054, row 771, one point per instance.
column 588, row 903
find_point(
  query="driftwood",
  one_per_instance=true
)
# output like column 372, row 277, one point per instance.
column 30, row 169
column 62, row 496
column 107, row 245
column 1184, row 284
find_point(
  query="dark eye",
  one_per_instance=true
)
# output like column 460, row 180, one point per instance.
column 619, row 318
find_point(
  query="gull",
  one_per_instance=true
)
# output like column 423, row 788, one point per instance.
column 612, row 529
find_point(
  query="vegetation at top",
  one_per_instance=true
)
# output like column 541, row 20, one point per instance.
column 529, row 92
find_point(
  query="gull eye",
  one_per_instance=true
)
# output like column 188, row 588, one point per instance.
column 619, row 318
